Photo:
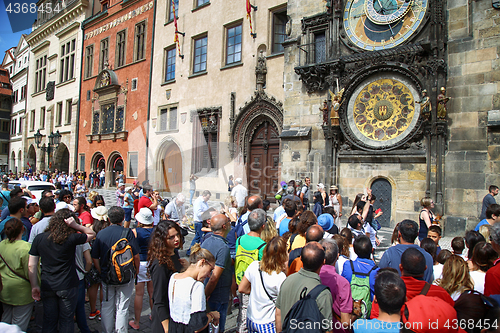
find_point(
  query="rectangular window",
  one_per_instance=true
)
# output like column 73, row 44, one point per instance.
column 233, row 45
column 5, row 148
column 279, row 31
column 206, row 141
column 69, row 110
column 200, row 55
column 82, row 162
column 171, row 10
column 120, row 48
column 140, row 41
column 89, row 60
column 67, row 71
column 133, row 165
column 168, row 118
column 59, row 114
column 40, row 73
column 20, row 126
column 13, row 127
column 5, row 126
column 42, row 118
column 201, row 2
column 32, row 120
column 169, row 64
column 23, row 92
column 319, row 47
column 103, row 54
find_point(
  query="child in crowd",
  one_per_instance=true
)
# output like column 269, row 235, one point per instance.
column 458, row 246
column 434, row 233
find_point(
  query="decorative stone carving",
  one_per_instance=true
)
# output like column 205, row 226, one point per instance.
column 49, row 90
column 261, row 71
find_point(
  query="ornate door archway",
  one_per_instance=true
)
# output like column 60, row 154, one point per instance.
column 61, row 158
column 263, row 161
column 31, row 161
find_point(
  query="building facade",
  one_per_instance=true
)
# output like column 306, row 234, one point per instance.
column 217, row 97
column 19, row 81
column 115, row 89
column 368, row 83
column 8, row 69
column 54, row 85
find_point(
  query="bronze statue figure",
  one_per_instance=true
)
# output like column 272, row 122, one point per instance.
column 336, row 103
column 425, row 105
column 325, row 112
column 441, row 107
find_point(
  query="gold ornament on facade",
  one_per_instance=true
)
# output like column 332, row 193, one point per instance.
column 384, row 109
column 425, row 105
column 441, row 104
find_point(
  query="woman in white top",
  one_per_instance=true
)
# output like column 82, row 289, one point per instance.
column 335, row 200
column 483, row 257
column 262, row 280
column 186, row 294
column 456, row 279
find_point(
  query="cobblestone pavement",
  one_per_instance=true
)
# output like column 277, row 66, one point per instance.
column 145, row 325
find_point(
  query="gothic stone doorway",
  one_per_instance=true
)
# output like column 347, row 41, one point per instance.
column 263, row 161
column 172, row 169
column 382, row 190
column 115, row 166
column 61, row 158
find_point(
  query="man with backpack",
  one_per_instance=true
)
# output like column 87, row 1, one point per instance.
column 112, row 246
column 361, row 275
column 249, row 248
column 292, row 311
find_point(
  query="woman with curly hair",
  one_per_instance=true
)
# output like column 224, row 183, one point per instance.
column 262, row 280
column 482, row 259
column 306, row 220
column 16, row 292
column 56, row 248
column 455, row 279
column 163, row 261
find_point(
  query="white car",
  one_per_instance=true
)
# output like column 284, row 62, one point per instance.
column 35, row 187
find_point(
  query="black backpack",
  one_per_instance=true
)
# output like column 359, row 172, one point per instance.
column 121, row 261
column 304, row 316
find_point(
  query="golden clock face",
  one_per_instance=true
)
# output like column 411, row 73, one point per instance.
column 382, row 24
column 382, row 111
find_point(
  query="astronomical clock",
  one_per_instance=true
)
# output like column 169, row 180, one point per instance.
column 384, row 54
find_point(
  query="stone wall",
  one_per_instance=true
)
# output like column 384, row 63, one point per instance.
column 472, row 160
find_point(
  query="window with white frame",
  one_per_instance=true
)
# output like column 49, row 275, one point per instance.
column 170, row 16
column 200, row 55
column 133, row 165
column 167, row 118
column 59, row 110
column 89, row 60
column 233, row 44
column 169, row 64
column 40, row 73
column 42, row 118
column 32, row 120
column 68, row 111
column 68, row 51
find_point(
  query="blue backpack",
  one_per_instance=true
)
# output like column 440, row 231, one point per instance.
column 305, row 313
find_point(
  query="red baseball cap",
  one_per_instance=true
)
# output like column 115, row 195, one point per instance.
column 428, row 314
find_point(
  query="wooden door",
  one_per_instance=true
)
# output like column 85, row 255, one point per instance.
column 382, row 190
column 172, row 169
column 263, row 162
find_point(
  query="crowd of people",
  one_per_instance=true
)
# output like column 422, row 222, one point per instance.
column 301, row 268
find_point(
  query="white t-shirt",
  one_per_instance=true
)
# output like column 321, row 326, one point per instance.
column 438, row 271
column 373, row 234
column 261, row 310
column 352, row 255
column 339, row 264
column 478, row 278
column 240, row 193
column 181, row 305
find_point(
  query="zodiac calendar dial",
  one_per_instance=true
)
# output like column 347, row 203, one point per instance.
column 382, row 24
column 382, row 111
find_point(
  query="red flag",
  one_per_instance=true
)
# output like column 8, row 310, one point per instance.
column 29, row 164
column 176, row 38
column 249, row 10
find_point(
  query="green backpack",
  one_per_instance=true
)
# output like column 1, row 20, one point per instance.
column 243, row 259
column 360, row 289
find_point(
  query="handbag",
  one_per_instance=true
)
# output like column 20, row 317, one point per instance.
column 13, row 271
column 377, row 224
column 92, row 277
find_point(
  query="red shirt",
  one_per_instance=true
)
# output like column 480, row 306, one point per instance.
column 144, row 201
column 413, row 288
column 492, row 280
column 86, row 218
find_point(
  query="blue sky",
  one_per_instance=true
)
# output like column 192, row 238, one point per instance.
column 7, row 37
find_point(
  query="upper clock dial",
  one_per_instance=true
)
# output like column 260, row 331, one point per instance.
column 382, row 24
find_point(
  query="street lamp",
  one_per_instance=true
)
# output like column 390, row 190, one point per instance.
column 53, row 142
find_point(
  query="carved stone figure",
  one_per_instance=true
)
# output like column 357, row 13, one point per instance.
column 336, row 103
column 261, row 71
column 425, row 105
column 441, row 101
column 324, row 109
column 105, row 79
